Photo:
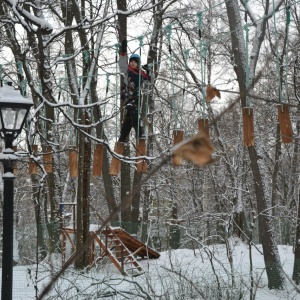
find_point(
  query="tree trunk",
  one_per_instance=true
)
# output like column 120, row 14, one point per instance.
column 153, row 58
column 271, row 255
column 86, row 190
column 135, row 213
column 107, row 179
column 125, row 167
column 296, row 270
column 36, row 195
column 46, row 88
column 79, row 263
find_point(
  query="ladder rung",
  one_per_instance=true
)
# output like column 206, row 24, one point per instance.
column 129, row 269
column 129, row 262
column 120, row 258
column 118, row 251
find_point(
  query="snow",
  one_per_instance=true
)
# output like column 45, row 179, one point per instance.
column 9, row 95
column 8, row 175
column 177, row 274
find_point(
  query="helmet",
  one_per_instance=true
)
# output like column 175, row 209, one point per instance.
column 135, row 57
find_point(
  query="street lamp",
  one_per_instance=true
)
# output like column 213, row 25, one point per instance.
column 14, row 109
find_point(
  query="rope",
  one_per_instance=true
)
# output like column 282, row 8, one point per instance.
column 77, row 110
column 203, row 51
column 203, row 71
column 246, row 28
column 277, row 55
column 186, row 54
column 148, row 91
column 117, row 45
column 104, row 109
column 140, row 38
column 22, row 82
column 169, row 33
column 288, row 21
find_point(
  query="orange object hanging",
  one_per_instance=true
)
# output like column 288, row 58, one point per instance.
column 196, row 149
column 98, row 160
column 203, row 125
column 177, row 138
column 141, row 150
column 248, row 126
column 48, row 159
column 73, row 162
column 285, row 125
column 115, row 162
column 211, row 92
column 32, row 165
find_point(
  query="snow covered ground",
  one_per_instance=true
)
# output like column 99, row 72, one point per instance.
column 177, row 274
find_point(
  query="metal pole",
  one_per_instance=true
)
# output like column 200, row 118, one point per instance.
column 8, row 227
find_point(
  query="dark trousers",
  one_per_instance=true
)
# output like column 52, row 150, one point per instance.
column 131, row 120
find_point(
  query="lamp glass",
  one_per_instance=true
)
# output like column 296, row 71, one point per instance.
column 13, row 117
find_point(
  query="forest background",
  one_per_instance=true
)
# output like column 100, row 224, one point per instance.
column 64, row 56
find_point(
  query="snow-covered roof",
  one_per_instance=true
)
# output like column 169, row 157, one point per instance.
column 10, row 95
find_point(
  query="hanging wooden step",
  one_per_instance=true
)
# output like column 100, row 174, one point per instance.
column 177, row 138
column 32, row 165
column 48, row 159
column 73, row 161
column 248, row 126
column 115, row 162
column 285, row 125
column 98, row 160
column 203, row 125
column 141, row 150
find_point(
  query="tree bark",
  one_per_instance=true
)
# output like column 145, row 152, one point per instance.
column 296, row 269
column 271, row 255
column 125, row 167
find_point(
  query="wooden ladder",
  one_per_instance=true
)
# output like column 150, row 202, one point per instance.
column 118, row 253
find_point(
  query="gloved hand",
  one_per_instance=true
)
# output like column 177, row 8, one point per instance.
column 146, row 68
column 124, row 46
column 124, row 94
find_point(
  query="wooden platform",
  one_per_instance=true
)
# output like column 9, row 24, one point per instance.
column 118, row 245
column 133, row 244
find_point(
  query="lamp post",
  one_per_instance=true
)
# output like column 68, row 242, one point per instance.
column 14, row 109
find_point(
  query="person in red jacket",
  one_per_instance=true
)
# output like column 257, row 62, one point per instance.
column 134, row 78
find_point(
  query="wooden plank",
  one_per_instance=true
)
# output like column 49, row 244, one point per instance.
column 48, row 159
column 69, row 230
column 109, row 254
column 73, row 162
column 115, row 162
column 133, row 244
column 138, row 250
column 248, row 126
column 203, row 125
column 285, row 124
column 177, row 138
column 98, row 160
column 70, row 240
column 32, row 165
